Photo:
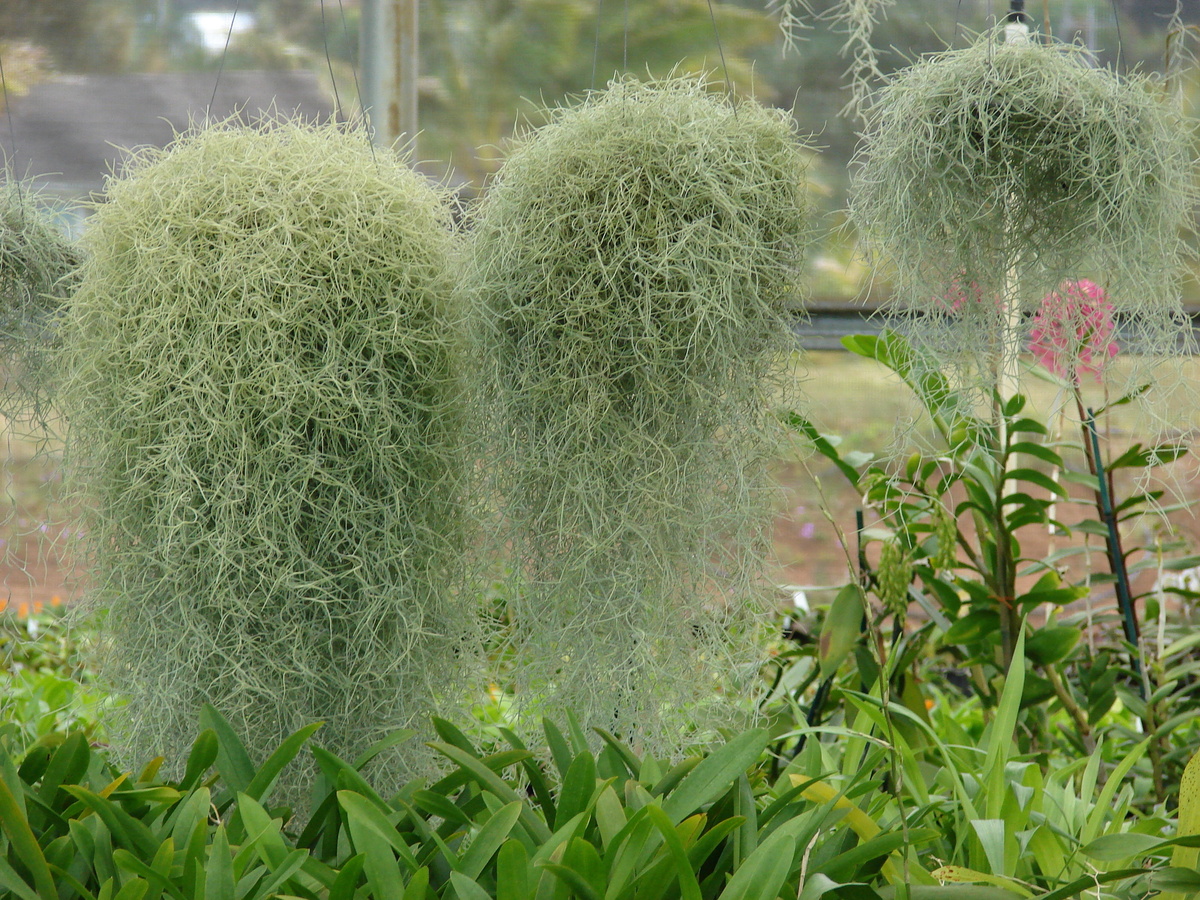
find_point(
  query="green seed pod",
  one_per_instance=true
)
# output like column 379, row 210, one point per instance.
column 893, row 576
column 266, row 420
column 945, row 535
column 636, row 265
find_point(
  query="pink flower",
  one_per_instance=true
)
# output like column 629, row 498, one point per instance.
column 957, row 296
column 1072, row 330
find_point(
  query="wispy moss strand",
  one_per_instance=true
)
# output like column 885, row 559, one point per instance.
column 38, row 263
column 265, row 425
column 636, row 265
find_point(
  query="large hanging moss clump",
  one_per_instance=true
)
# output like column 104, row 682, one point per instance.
column 37, row 268
column 990, row 175
column 265, row 426
column 636, row 265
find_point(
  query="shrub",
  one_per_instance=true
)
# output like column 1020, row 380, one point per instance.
column 265, row 428
column 635, row 265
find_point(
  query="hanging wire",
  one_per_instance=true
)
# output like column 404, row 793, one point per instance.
column 337, row 100
column 625, row 38
column 353, row 73
column 596, row 49
column 12, row 132
column 712, row 16
column 221, row 67
column 1120, row 43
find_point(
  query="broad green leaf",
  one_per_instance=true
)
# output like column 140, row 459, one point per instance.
column 577, row 884
column 1189, row 821
column 1002, row 730
column 489, row 780
column 1115, row 847
column 512, row 871
column 715, row 774
column 219, row 881
column 16, row 826
column 489, row 839
column 763, row 873
column 232, row 760
column 284, row 754
column 200, row 759
column 346, row 883
column 11, row 881
column 1042, row 480
column 466, row 888
column 577, row 788
column 689, row 887
column 374, row 835
column 842, row 628
column 135, row 836
column 418, row 885
column 1051, row 644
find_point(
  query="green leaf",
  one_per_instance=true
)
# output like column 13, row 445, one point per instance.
column 218, row 873
column 577, row 787
column 763, row 873
column 489, row 839
column 16, row 826
column 715, row 774
column 1051, row 644
column 374, row 837
column 284, row 754
column 346, row 883
column 842, row 628
column 418, row 885
column 689, row 887
column 11, row 881
column 1002, row 731
column 822, row 446
column 478, row 771
column 135, row 836
column 232, row 761
column 200, row 759
column 1115, row 847
column 1042, row 480
column 466, row 888
column 1039, row 451
column 512, row 871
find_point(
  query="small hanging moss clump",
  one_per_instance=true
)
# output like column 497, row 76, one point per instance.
column 265, row 427
column 37, row 273
column 989, row 176
column 636, row 267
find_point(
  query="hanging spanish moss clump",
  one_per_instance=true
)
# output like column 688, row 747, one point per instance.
column 265, row 426
column 990, row 176
column 37, row 270
column 636, row 263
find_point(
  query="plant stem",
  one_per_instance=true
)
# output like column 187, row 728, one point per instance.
column 1073, row 709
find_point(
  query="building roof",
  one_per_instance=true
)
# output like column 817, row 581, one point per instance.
column 69, row 133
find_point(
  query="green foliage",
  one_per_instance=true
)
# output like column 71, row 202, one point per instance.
column 635, row 265
column 37, row 267
column 989, row 175
column 266, row 434
column 49, row 686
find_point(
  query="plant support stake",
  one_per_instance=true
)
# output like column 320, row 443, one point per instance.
column 1115, row 555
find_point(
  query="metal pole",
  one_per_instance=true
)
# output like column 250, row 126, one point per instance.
column 390, row 66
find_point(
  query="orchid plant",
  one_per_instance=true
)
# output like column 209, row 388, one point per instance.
column 951, row 519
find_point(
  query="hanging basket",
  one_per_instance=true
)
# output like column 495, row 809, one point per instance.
column 988, row 176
